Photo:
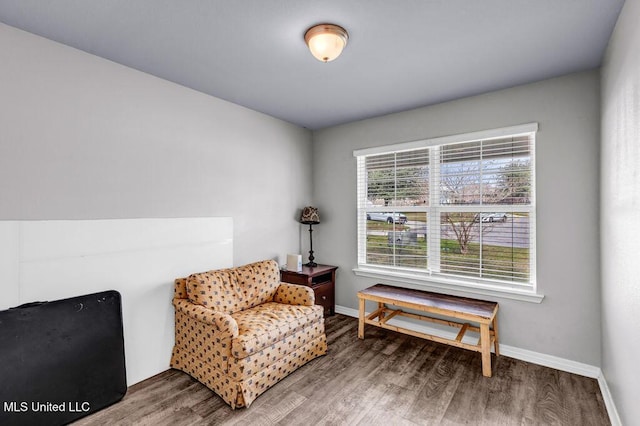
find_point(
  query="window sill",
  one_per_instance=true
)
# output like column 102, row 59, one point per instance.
column 454, row 286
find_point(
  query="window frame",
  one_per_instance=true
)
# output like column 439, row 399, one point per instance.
column 526, row 291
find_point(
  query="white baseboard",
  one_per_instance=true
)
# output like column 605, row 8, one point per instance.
column 614, row 417
column 538, row 358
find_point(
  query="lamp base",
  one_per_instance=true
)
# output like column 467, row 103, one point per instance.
column 311, row 262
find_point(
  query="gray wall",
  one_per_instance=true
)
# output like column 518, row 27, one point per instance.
column 84, row 138
column 620, row 214
column 567, row 323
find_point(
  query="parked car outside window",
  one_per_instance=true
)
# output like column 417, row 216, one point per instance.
column 387, row 217
column 492, row 217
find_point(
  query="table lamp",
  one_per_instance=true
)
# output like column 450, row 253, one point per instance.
column 310, row 217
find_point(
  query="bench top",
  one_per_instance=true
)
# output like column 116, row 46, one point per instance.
column 432, row 302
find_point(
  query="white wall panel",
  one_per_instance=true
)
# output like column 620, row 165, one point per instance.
column 140, row 258
column 9, row 252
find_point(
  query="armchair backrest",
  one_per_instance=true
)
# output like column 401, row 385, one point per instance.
column 235, row 289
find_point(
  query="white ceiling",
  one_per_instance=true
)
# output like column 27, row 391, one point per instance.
column 401, row 54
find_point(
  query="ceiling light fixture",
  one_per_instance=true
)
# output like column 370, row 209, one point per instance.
column 326, row 41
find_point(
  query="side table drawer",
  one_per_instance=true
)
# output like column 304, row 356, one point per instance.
column 293, row 278
column 324, row 293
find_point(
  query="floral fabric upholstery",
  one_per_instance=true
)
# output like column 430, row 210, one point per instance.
column 242, row 368
column 235, row 289
column 180, row 289
column 221, row 321
column 293, row 294
column 239, row 354
column 269, row 323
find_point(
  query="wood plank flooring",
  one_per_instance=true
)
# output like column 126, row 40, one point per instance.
column 386, row 379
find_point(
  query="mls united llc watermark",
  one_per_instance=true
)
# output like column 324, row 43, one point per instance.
column 46, row 407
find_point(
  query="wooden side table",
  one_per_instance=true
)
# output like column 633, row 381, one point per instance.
column 322, row 279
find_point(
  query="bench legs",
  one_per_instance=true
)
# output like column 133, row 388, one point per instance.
column 361, row 319
column 485, row 341
column 496, row 346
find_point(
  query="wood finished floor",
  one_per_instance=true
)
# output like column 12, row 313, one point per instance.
column 387, row 379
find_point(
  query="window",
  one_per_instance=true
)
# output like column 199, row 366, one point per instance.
column 457, row 209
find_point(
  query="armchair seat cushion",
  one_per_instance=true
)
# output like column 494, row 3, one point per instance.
column 310, row 341
column 269, row 323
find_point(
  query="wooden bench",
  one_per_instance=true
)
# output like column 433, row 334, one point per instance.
column 461, row 308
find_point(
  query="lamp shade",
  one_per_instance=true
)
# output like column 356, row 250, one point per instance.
column 326, row 41
column 310, row 216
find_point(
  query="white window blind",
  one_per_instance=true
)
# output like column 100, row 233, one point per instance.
column 463, row 209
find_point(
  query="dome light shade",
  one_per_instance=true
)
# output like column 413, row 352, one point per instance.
column 326, row 41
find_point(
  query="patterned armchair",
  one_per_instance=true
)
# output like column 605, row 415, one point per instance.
column 240, row 330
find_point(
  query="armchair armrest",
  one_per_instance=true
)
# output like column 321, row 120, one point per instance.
column 294, row 294
column 224, row 323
